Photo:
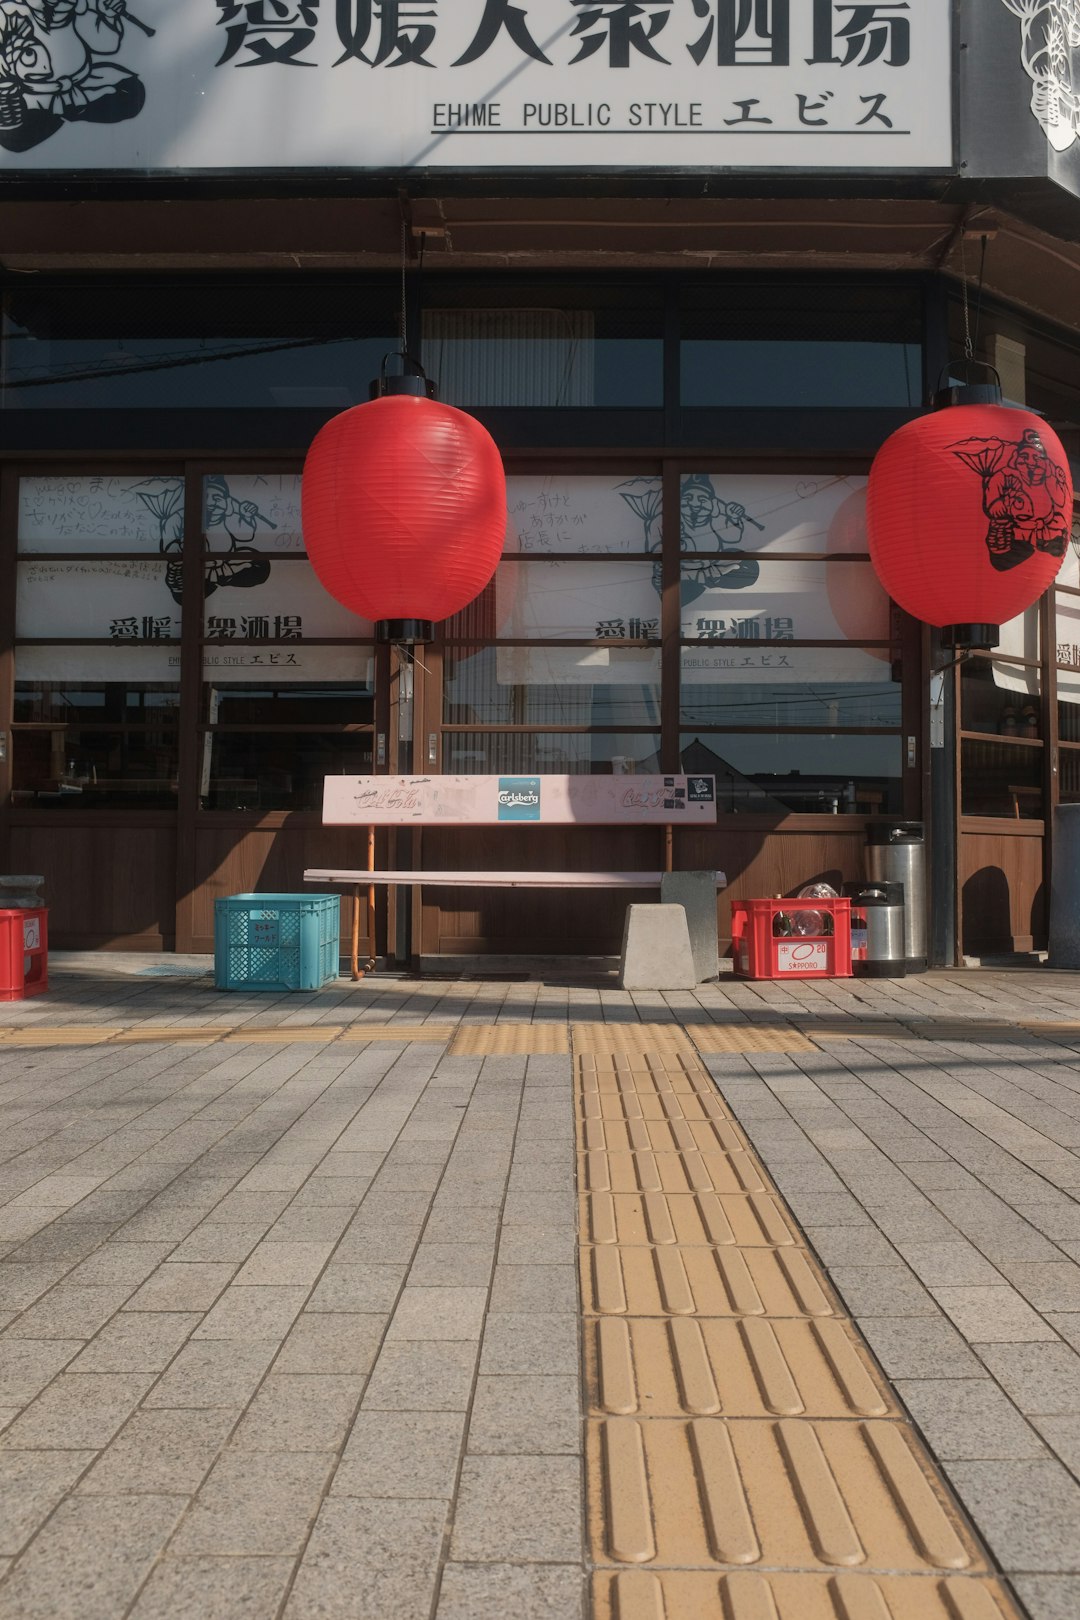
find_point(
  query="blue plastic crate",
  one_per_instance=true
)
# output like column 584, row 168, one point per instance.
column 276, row 941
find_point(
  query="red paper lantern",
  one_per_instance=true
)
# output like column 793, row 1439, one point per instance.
column 404, row 509
column 969, row 514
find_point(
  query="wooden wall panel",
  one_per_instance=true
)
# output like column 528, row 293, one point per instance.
column 237, row 859
column 107, row 886
column 1003, row 895
column 758, row 862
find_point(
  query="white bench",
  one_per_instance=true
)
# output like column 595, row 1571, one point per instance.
column 501, row 880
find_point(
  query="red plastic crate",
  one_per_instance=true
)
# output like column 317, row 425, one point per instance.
column 24, row 953
column 759, row 953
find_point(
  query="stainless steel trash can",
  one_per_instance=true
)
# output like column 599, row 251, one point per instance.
column 896, row 853
column 885, row 953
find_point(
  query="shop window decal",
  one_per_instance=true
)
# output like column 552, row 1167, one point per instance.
column 56, row 67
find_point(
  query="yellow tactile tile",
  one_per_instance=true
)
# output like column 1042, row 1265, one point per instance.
column 748, row 1595
column 59, row 1035
column 794, row 1494
column 498, row 1040
column 751, row 1367
column 656, row 1039
column 284, row 1035
column 747, row 1038
column 688, row 1170
column 151, row 1032
column 673, row 1281
column 399, row 1032
column 741, row 1441
column 705, row 1219
column 656, row 1135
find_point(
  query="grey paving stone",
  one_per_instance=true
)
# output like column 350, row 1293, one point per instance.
column 137, row 1341
column 1053, row 1220
column 214, row 1589
column 253, row 1313
column 249, row 1209
column 299, row 1412
column 1050, row 1597
column 90, row 1558
column 950, row 1265
column 1042, row 1379
column 912, row 1223
column 826, row 1209
column 22, row 1282
column 527, row 1415
column 69, row 1239
column 355, row 1287
column 344, row 1192
column 120, row 1263
column 369, row 1559
column 1053, row 1287
column 968, row 1418
column 31, row 1484
column 414, row 1377
column 253, row 1503
column 78, row 1412
column 852, row 1246
column 328, row 1342
column 1062, row 1435
column 538, row 1245
column 282, row 1263
column 159, row 1225
column 453, row 1265
column 213, row 1372
column 1067, row 1323
column 882, row 1291
column 27, row 1365
column 215, row 1241
column 920, row 1347
column 402, row 1454
column 496, row 1519
column 528, row 1344
column 546, row 1289
column 526, row 1591
column 463, row 1223
column 165, row 1451
column 993, row 1315
column 310, row 1224
column 69, row 1312
column 438, row 1313
column 182, row 1286
column 1028, row 1511
column 939, row 1175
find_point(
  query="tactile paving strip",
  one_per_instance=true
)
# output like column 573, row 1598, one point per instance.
column 748, row 1038
column 655, row 1039
column 746, row 1460
column 501, row 1040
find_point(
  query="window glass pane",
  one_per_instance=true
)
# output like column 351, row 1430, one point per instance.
column 252, row 598
column 1069, row 786
column 261, row 510
column 70, row 703
column 277, row 770
column 733, row 511
column 1019, row 638
column 537, row 346
column 553, row 512
column 570, row 600
column 775, row 602
column 595, row 686
column 534, row 753
column 818, row 343
column 299, row 703
column 997, row 706
column 104, row 512
column 183, row 346
column 825, row 687
column 829, row 775
column 82, row 767
column 100, row 601
column 1000, row 779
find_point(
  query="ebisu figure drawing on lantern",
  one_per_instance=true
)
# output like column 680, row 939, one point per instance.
column 54, row 68
column 1025, row 496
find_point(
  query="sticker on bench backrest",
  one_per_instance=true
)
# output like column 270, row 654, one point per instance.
column 484, row 801
column 519, row 798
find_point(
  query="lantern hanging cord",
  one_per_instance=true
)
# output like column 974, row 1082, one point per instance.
column 404, row 295
column 970, row 343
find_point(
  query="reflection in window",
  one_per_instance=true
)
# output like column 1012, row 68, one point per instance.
column 551, row 686
column 778, row 773
column 278, row 770
column 790, row 345
column 65, row 703
column 814, row 704
column 1001, row 778
column 534, row 753
column 993, row 699
column 82, row 767
column 301, row 703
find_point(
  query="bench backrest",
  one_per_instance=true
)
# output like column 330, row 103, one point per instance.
column 448, row 801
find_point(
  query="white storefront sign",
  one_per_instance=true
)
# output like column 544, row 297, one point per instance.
column 213, row 85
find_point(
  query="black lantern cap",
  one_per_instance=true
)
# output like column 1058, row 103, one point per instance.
column 968, row 637
column 404, row 632
column 418, row 384
column 968, row 393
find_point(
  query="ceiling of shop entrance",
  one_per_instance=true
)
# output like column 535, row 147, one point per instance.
column 1027, row 267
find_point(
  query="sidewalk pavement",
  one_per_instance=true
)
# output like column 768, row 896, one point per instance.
column 289, row 1295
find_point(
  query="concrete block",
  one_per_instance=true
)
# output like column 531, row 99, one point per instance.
column 696, row 893
column 656, row 953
